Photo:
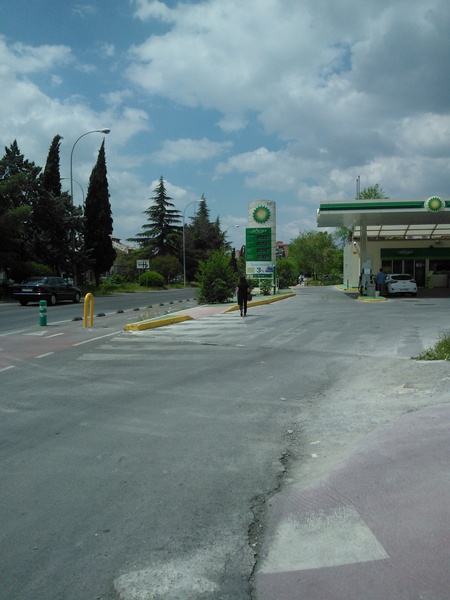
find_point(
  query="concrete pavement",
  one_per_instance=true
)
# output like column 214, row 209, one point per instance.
column 375, row 527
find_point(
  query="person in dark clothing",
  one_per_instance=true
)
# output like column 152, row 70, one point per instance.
column 242, row 295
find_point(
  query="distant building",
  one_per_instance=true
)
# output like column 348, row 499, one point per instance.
column 282, row 250
column 117, row 245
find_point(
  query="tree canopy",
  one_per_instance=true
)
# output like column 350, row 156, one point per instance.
column 98, row 221
column 160, row 235
column 314, row 253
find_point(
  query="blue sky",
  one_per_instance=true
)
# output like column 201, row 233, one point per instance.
column 240, row 100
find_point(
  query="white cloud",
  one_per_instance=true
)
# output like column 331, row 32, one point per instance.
column 84, row 10
column 19, row 59
column 154, row 9
column 190, row 150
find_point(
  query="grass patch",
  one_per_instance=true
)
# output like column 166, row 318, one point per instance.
column 440, row 351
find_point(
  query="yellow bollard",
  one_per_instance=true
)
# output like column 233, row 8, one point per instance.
column 89, row 301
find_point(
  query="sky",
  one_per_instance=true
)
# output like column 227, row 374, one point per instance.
column 239, row 100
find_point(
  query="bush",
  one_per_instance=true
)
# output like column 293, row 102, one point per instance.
column 265, row 285
column 217, row 279
column 151, row 279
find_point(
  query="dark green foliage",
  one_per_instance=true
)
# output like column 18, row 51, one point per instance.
column 52, row 218
column 51, row 179
column 314, row 253
column 265, row 285
column 217, row 279
column 168, row 266
column 202, row 237
column 19, row 189
column 151, row 279
column 160, row 235
column 286, row 272
column 98, row 222
column 373, row 192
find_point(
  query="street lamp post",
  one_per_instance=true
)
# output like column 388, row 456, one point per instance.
column 184, row 242
column 79, row 185
column 71, row 192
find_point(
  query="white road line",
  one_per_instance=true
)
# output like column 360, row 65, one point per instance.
column 54, row 335
column 6, row 368
column 44, row 355
column 97, row 338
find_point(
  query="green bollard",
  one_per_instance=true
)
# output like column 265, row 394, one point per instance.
column 42, row 313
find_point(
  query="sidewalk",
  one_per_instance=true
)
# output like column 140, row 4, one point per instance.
column 374, row 525
column 370, row 522
column 200, row 311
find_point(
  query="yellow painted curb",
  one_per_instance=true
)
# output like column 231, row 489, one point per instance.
column 141, row 326
column 380, row 299
column 267, row 300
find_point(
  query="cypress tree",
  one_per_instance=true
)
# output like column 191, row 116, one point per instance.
column 98, row 221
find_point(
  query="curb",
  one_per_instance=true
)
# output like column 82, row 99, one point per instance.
column 158, row 322
column 163, row 321
column 365, row 299
column 261, row 302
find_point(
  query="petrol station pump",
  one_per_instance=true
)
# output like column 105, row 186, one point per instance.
column 366, row 279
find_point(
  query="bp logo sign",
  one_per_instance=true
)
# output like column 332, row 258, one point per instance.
column 434, row 204
column 261, row 214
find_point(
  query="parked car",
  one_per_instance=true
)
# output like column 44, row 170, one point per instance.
column 401, row 283
column 52, row 289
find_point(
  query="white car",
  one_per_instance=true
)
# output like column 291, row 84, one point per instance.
column 401, row 283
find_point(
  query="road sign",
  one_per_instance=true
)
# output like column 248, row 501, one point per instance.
column 143, row 264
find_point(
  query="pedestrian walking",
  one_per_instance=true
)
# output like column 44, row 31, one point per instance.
column 243, row 291
column 379, row 281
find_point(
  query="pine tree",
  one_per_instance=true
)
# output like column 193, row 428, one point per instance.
column 98, row 221
column 202, row 238
column 160, row 235
column 50, row 241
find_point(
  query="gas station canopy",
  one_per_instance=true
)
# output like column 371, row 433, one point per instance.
column 387, row 219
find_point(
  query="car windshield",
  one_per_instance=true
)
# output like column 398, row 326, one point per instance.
column 35, row 280
column 402, row 277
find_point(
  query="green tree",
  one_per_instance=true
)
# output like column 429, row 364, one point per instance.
column 98, row 222
column 202, row 237
column 375, row 192
column 313, row 253
column 160, row 235
column 167, row 266
column 217, row 279
column 287, row 272
column 19, row 188
column 52, row 218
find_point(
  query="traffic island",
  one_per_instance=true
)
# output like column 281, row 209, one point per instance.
column 158, row 322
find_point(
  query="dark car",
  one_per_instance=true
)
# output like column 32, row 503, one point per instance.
column 52, row 289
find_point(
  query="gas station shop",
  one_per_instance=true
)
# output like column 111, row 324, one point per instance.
column 399, row 236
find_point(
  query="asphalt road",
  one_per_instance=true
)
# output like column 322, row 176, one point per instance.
column 140, row 466
column 14, row 317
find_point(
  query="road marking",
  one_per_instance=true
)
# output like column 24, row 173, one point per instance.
column 6, row 368
column 37, row 333
column 320, row 540
column 54, row 335
column 44, row 355
column 98, row 338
